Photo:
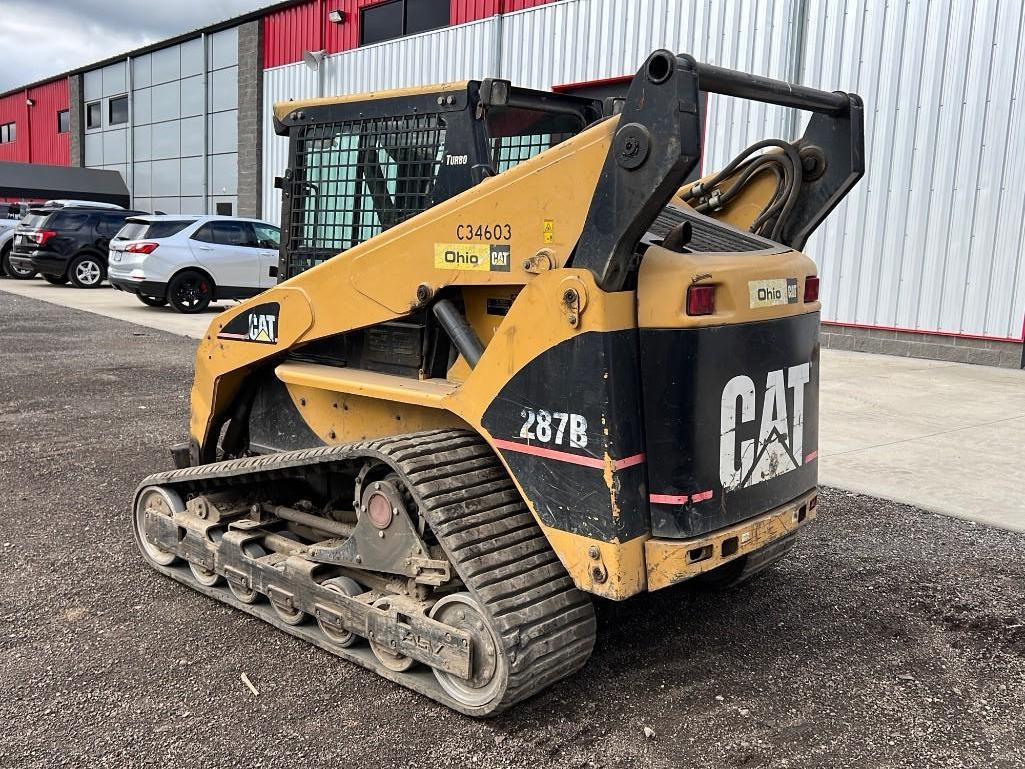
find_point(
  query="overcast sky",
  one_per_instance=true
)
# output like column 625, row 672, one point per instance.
column 40, row 38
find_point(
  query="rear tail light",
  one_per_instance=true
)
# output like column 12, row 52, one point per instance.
column 701, row 300
column 811, row 289
column 45, row 236
column 141, row 248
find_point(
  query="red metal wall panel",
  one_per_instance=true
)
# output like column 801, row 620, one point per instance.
column 37, row 139
column 522, row 5
column 47, row 145
column 464, row 11
column 12, row 110
column 289, row 32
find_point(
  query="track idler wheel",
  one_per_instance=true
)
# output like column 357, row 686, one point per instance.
column 287, row 613
column 489, row 668
column 154, row 501
column 339, row 637
column 204, row 576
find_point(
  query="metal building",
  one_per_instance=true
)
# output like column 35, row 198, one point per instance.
column 922, row 259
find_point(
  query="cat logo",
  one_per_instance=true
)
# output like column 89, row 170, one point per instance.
column 259, row 325
column 263, row 328
column 746, row 458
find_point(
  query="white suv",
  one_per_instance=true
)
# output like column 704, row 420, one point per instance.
column 191, row 261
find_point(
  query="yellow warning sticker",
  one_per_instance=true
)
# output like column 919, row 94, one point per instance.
column 549, row 230
column 477, row 257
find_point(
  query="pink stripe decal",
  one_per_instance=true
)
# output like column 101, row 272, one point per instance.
column 563, row 456
column 636, row 459
column 701, row 497
column 232, row 336
column 811, row 457
column 538, row 451
column 668, row 499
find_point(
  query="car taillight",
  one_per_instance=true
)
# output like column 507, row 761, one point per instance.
column 700, row 300
column 141, row 248
column 811, row 288
column 45, row 236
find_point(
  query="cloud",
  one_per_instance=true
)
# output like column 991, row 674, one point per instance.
column 59, row 35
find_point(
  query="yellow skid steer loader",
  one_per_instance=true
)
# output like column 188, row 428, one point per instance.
column 513, row 359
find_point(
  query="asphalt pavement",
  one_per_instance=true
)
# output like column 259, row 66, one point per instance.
column 891, row 637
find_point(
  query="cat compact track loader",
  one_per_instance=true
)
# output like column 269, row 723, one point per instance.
column 512, row 359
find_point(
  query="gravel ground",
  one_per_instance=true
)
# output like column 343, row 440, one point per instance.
column 891, row 637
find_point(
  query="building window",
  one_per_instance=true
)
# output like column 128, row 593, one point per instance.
column 64, row 121
column 402, row 17
column 8, row 133
column 118, row 112
column 92, row 115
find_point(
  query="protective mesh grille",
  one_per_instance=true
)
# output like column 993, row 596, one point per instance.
column 352, row 180
column 508, row 151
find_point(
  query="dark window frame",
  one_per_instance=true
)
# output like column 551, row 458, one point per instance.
column 99, row 114
column 405, row 29
column 63, row 121
column 216, row 224
column 9, row 132
column 110, row 109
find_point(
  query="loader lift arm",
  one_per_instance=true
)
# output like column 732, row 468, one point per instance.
column 658, row 143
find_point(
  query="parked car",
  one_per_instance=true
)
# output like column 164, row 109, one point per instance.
column 7, row 228
column 69, row 243
column 24, row 235
column 190, row 261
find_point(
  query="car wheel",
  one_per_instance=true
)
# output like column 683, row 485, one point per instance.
column 190, row 292
column 10, row 270
column 152, row 301
column 56, row 280
column 87, row 271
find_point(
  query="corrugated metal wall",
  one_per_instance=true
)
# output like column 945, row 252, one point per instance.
column 567, row 42
column 36, row 136
column 289, row 83
column 48, row 145
column 581, row 40
column 290, row 31
column 932, row 237
column 453, row 53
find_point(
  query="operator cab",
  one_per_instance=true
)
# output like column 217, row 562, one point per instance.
column 360, row 165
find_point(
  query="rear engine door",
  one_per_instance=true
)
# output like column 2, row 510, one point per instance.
column 731, row 402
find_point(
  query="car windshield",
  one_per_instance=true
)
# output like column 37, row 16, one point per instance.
column 161, row 229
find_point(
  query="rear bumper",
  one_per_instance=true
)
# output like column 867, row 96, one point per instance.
column 144, row 287
column 669, row 561
column 48, row 264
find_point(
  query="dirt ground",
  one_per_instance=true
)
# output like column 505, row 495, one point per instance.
column 890, row 638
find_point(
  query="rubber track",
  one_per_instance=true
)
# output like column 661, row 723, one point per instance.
column 546, row 626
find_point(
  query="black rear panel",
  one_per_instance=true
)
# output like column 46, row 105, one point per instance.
column 731, row 421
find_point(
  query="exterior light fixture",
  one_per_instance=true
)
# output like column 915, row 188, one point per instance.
column 336, row 17
column 30, row 102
